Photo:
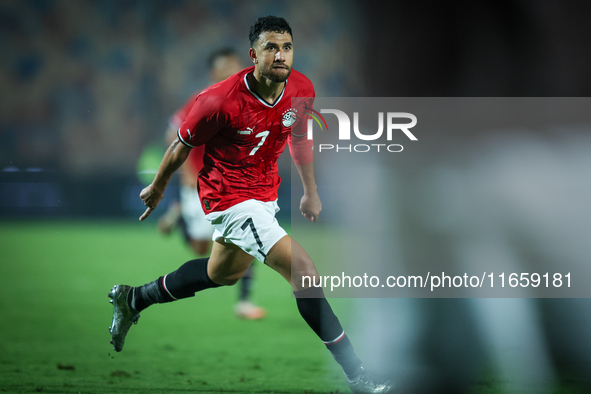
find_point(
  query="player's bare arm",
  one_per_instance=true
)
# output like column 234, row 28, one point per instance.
column 175, row 156
column 310, row 204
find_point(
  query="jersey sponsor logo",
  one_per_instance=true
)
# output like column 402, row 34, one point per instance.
column 289, row 117
column 249, row 130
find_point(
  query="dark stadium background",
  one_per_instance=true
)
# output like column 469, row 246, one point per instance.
column 87, row 86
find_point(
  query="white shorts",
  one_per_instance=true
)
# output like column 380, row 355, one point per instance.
column 198, row 227
column 251, row 225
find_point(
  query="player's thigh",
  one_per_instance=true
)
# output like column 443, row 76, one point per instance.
column 227, row 263
column 291, row 261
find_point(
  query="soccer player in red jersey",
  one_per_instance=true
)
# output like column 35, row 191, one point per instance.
column 197, row 230
column 244, row 123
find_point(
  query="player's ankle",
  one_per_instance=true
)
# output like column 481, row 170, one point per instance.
column 354, row 376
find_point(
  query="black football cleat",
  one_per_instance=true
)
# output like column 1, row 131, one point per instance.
column 123, row 315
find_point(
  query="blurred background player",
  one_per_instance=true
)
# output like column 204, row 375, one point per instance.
column 188, row 214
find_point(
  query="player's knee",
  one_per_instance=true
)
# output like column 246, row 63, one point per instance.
column 303, row 268
column 306, row 277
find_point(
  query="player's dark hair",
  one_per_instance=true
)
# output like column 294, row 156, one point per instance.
column 268, row 23
column 222, row 52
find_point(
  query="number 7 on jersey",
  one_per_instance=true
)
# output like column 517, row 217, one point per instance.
column 263, row 135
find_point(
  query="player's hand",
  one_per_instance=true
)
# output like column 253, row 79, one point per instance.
column 310, row 205
column 151, row 198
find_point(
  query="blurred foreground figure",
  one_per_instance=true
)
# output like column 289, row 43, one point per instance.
column 514, row 202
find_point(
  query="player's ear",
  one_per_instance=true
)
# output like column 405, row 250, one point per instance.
column 253, row 55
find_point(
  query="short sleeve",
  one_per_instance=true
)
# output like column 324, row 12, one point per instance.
column 205, row 119
column 176, row 120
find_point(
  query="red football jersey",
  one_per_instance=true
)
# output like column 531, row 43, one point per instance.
column 244, row 136
column 195, row 158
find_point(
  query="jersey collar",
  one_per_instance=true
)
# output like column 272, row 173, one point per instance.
column 259, row 98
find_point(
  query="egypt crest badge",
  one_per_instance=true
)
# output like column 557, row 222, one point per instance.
column 289, row 117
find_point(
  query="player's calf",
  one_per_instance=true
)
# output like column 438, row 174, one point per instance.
column 190, row 278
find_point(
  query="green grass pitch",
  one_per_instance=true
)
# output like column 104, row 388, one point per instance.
column 54, row 337
column 55, row 318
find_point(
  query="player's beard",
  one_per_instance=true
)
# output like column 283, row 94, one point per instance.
column 271, row 73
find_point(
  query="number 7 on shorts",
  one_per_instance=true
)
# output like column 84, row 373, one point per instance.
column 249, row 222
